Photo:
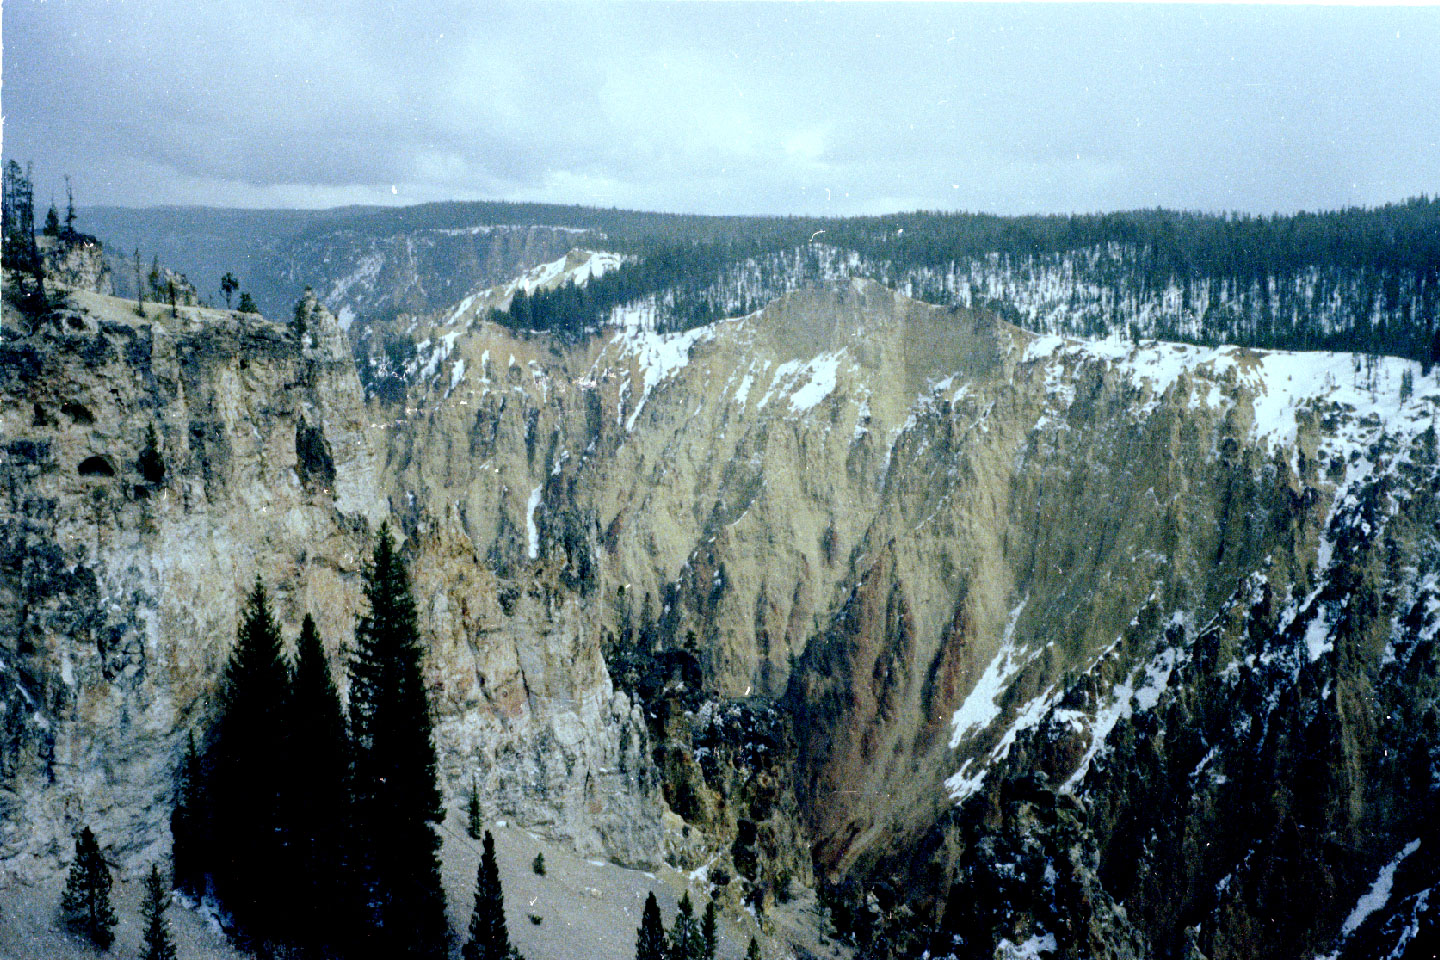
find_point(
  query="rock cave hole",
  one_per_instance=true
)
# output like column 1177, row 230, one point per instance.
column 96, row 467
column 78, row 412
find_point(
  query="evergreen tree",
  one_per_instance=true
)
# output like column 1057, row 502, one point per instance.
column 316, row 793
column 189, row 823
column 685, row 940
column 52, row 222
column 246, row 304
column 650, row 940
column 753, row 951
column 472, row 811
column 248, row 766
column 228, row 286
column 300, row 322
column 69, row 208
column 709, row 931
column 85, row 905
column 538, row 864
column 139, row 287
column 158, row 944
column 396, row 799
column 489, row 937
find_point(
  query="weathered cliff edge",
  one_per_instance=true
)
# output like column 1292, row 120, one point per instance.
column 927, row 534
column 153, row 468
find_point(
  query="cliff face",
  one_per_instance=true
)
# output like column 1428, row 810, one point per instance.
column 75, row 260
column 154, row 467
column 903, row 587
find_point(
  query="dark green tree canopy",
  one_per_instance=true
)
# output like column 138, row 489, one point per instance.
column 85, row 905
column 650, row 940
column 489, row 937
column 248, row 764
column 317, row 801
column 395, row 794
column 686, row 942
column 228, row 286
column 710, row 931
column 159, row 945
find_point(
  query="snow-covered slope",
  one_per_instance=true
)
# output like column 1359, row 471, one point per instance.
column 578, row 267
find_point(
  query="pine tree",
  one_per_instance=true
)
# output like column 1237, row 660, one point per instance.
column 139, row 287
column 69, row 208
column 246, row 305
column 685, row 940
column 316, row 793
column 396, row 799
column 472, row 811
column 228, row 286
column 709, row 931
column 753, row 951
column 189, row 824
column 85, row 905
column 300, row 322
column 538, row 864
column 650, row 940
column 52, row 223
column 158, row 944
column 489, row 937
column 248, row 765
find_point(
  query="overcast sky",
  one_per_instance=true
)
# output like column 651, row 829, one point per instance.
column 725, row 108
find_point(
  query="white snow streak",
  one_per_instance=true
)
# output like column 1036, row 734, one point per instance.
column 981, row 707
column 1379, row 893
column 531, row 531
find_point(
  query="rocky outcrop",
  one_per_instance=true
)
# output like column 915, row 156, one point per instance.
column 932, row 534
column 161, row 464
column 899, row 599
column 75, row 260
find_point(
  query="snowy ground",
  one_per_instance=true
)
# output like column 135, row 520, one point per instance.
column 588, row 910
column 28, row 930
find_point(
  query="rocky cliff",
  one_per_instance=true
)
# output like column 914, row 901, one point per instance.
column 154, row 467
column 915, row 603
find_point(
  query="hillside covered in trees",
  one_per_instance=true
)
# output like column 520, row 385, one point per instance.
column 1363, row 280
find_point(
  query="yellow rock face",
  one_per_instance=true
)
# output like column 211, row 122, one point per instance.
column 911, row 523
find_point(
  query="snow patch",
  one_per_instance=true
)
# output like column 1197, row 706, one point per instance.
column 743, row 391
column 531, row 531
column 981, row 707
column 1379, row 893
column 658, row 356
column 1138, row 693
column 821, row 384
column 1032, row 949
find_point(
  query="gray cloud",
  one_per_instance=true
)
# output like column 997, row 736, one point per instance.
column 725, row 107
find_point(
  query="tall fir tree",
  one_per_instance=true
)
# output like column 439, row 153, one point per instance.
column 650, row 939
column 248, row 765
column 710, row 931
column 472, row 811
column 489, row 937
column 159, row 945
column 316, row 795
column 753, row 951
column 396, row 798
column 85, row 904
column 685, row 940
column 189, row 824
